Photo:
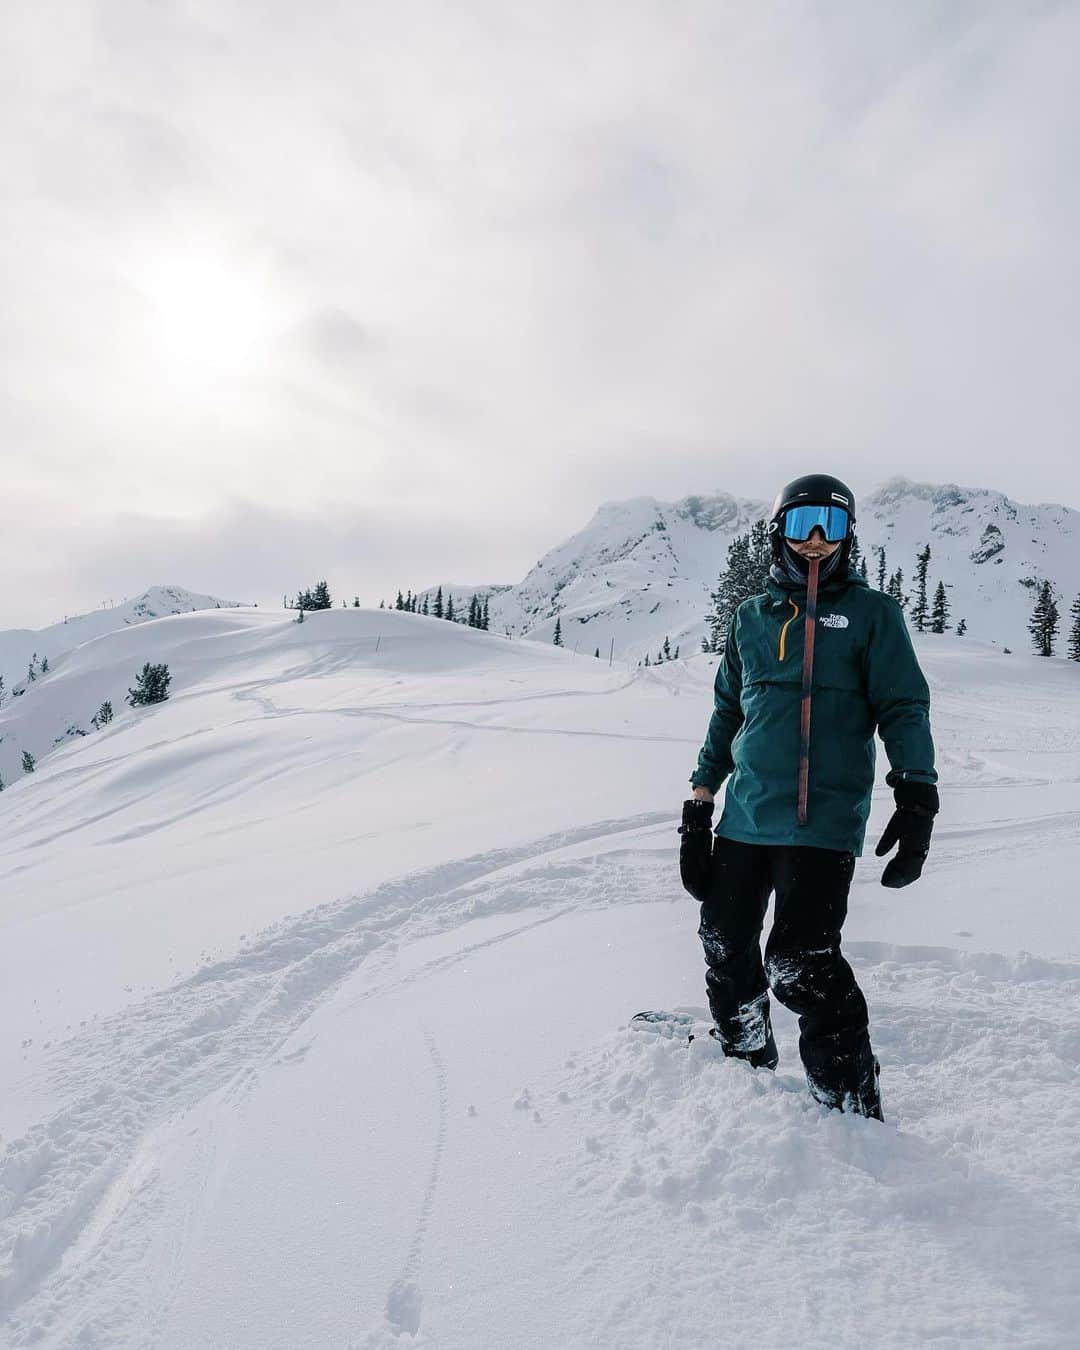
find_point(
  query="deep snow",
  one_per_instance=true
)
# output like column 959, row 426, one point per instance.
column 315, row 985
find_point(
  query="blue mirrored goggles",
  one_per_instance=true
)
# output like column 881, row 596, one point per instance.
column 799, row 523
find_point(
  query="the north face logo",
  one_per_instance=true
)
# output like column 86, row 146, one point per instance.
column 833, row 621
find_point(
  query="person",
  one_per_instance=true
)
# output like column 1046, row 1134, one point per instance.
column 810, row 670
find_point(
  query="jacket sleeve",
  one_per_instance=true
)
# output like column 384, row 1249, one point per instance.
column 899, row 697
column 714, row 762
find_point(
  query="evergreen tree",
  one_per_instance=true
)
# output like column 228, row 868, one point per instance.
column 557, row 638
column 676, row 655
column 646, row 658
column 356, row 602
column 103, row 716
column 399, row 603
column 151, row 685
column 1043, row 624
column 919, row 609
column 961, row 628
column 1, row 690
column 382, row 603
column 1074, row 631
column 856, row 552
column 28, row 762
column 597, row 653
column 940, row 613
column 320, row 597
column 474, row 612
column 748, row 561
column 484, row 617
column 760, row 555
column 437, row 608
column 665, row 650
column 862, row 568
column 895, row 588
column 44, row 665
column 425, row 608
column 409, row 602
column 450, row 609
column 881, row 568
column 31, row 670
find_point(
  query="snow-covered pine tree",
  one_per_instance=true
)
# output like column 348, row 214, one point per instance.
column 855, row 556
column 103, row 716
column 450, row 608
column 474, row 611
column 760, row 555
column 665, row 650
column 862, row 567
column 29, row 763
column 895, row 588
column 881, row 568
column 920, row 610
column 748, row 561
column 597, row 653
column 675, row 656
column 44, row 665
column 356, row 602
column 320, row 597
column 1043, row 624
column 1074, row 631
column 484, row 617
column 1, row 690
column 940, row 614
column 437, row 608
column 961, row 628
column 557, row 638
column 151, row 685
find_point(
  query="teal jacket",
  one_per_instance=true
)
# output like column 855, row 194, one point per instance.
column 866, row 679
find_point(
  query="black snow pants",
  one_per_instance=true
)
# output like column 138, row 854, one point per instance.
column 802, row 964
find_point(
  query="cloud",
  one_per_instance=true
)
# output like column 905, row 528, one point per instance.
column 505, row 263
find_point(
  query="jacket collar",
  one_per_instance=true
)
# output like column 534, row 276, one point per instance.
column 779, row 586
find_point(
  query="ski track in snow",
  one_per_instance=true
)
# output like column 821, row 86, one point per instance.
column 974, row 1176
column 212, row 1031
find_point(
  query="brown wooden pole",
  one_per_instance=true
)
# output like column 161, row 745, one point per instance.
column 807, row 684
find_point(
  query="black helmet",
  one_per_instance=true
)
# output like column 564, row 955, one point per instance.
column 813, row 489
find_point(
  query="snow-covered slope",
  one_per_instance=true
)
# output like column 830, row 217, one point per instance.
column 314, row 985
column 19, row 645
column 642, row 570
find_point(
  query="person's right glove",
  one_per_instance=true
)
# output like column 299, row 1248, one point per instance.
column 695, row 846
column 912, row 823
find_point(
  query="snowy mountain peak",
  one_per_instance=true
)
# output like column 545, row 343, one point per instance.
column 642, row 570
column 19, row 645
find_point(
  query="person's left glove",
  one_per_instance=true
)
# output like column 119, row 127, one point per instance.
column 912, row 824
column 695, row 846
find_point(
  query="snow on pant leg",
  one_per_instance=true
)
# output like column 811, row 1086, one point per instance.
column 809, row 975
column 730, row 931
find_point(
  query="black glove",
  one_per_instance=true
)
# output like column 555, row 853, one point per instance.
column 912, row 824
column 695, row 846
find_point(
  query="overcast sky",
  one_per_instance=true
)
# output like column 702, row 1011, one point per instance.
column 399, row 293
